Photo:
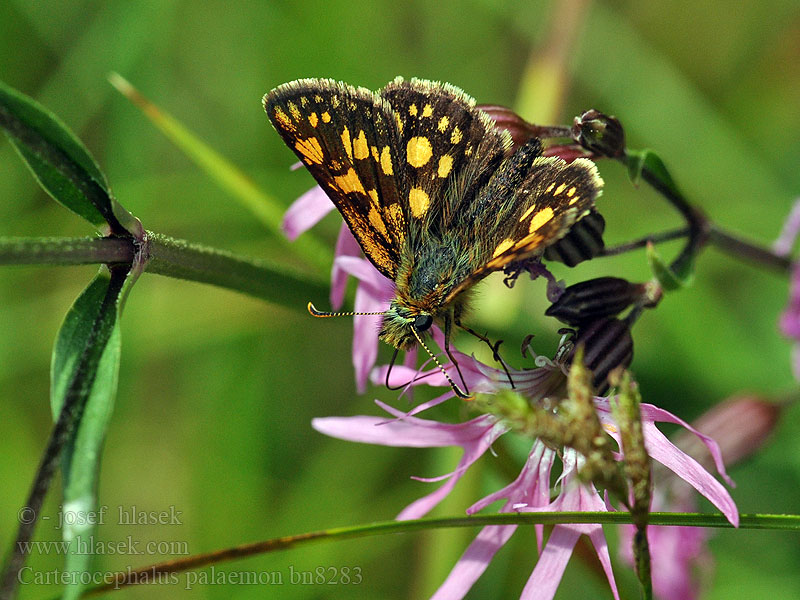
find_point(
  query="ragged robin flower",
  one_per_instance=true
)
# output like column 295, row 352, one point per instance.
column 532, row 490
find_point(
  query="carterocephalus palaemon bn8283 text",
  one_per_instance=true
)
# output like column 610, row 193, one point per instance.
column 430, row 189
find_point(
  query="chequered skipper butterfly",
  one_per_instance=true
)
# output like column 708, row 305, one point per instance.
column 430, row 188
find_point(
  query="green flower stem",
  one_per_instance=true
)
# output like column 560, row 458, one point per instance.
column 133, row 576
column 654, row 238
column 703, row 231
column 265, row 280
column 65, row 251
column 174, row 258
column 735, row 246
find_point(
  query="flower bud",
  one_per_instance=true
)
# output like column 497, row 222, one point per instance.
column 505, row 118
column 600, row 134
column 584, row 241
column 607, row 344
column 594, row 299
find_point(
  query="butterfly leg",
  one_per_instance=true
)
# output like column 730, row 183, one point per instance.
column 447, row 332
column 495, row 348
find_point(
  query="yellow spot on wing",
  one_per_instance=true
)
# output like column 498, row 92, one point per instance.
column 443, row 123
column 427, row 111
column 346, row 142
column 313, row 119
column 418, row 151
column 326, row 117
column 540, row 218
column 399, row 122
column 445, row 165
column 550, row 188
column 396, row 215
column 527, row 212
column 418, row 201
column 294, row 110
column 456, row 136
column 303, row 101
column 559, row 189
column 374, row 195
column 386, row 161
column 317, row 98
column 571, row 191
column 283, row 118
column 502, row 247
column 412, row 110
column 349, row 183
column 311, row 149
column 360, row 148
column 374, row 151
column 376, row 221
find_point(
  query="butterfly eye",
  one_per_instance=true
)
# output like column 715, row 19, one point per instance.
column 423, row 322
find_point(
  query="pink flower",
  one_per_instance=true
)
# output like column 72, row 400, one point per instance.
column 530, row 492
column 681, row 560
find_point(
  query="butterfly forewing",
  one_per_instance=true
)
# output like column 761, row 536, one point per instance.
column 347, row 138
column 448, row 148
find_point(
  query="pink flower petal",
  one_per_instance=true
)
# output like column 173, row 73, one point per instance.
column 474, row 561
column 690, row 471
column 346, row 245
column 306, row 212
column 546, row 576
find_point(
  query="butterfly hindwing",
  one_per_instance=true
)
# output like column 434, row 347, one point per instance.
column 530, row 203
column 347, row 138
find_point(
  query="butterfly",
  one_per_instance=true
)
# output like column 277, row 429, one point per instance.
column 433, row 192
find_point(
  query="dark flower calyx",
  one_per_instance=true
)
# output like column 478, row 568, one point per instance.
column 607, row 344
column 600, row 134
column 584, row 241
column 593, row 299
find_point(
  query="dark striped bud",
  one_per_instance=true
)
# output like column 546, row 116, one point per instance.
column 594, row 299
column 600, row 134
column 607, row 344
column 584, row 241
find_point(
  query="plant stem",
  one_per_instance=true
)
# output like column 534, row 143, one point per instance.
column 151, row 572
column 735, row 246
column 66, row 251
column 655, row 238
column 265, row 280
column 174, row 258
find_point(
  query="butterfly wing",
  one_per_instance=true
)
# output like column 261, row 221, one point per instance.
column 530, row 202
column 448, row 148
column 347, row 138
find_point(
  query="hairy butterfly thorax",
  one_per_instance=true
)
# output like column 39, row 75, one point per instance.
column 430, row 190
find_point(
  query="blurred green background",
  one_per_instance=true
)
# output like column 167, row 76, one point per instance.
column 217, row 390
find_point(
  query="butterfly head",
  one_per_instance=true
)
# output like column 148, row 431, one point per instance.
column 404, row 325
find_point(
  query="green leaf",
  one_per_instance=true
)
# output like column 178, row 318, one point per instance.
column 61, row 164
column 84, row 381
column 647, row 164
column 666, row 277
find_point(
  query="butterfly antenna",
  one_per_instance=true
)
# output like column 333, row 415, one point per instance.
column 452, row 383
column 325, row 313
